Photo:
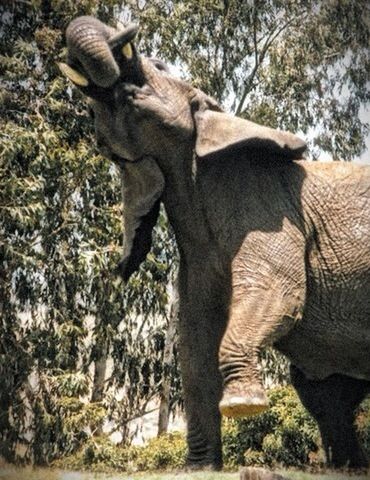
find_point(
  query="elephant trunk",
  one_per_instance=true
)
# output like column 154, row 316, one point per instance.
column 91, row 45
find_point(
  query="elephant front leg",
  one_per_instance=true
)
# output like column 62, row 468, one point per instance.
column 257, row 318
column 201, row 398
column 202, row 323
column 268, row 295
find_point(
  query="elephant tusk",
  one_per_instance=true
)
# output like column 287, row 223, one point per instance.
column 73, row 75
column 127, row 51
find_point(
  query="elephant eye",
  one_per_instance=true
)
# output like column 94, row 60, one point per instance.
column 159, row 65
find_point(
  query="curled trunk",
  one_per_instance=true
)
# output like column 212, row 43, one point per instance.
column 92, row 48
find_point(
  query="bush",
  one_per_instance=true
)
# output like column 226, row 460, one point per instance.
column 363, row 424
column 166, row 451
column 100, row 454
column 285, row 435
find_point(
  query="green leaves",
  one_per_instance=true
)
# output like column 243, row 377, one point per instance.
column 68, row 331
column 284, row 435
column 70, row 384
column 293, row 65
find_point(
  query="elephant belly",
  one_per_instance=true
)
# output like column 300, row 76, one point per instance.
column 333, row 335
column 325, row 341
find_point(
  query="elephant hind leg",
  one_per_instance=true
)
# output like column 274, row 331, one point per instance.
column 332, row 402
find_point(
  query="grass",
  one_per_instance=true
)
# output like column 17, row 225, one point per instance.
column 13, row 473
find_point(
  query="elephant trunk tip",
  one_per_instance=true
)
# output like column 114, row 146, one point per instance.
column 124, row 36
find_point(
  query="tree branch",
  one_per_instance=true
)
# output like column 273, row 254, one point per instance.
column 259, row 57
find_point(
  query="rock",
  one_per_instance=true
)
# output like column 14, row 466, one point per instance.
column 251, row 473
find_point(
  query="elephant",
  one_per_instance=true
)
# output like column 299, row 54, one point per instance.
column 274, row 249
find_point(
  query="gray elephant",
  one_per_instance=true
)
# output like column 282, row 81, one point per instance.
column 274, row 250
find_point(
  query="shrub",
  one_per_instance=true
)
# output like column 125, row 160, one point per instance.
column 100, row 454
column 363, row 424
column 166, row 451
column 244, row 435
column 284, row 434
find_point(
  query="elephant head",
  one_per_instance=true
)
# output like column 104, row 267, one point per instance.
column 150, row 122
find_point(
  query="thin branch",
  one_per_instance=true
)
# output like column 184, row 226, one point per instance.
column 260, row 56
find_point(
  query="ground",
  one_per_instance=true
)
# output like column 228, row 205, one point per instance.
column 12, row 473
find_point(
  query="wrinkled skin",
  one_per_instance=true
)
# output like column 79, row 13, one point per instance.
column 273, row 251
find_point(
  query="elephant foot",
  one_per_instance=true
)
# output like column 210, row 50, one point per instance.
column 241, row 402
column 206, row 466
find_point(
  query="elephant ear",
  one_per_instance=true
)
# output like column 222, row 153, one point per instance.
column 218, row 133
column 142, row 187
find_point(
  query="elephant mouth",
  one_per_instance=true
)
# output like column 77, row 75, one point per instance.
column 121, row 161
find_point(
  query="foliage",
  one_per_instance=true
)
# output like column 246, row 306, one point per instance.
column 284, row 436
column 363, row 423
column 97, row 454
column 163, row 452
column 274, row 368
column 302, row 65
column 63, row 312
column 167, row 451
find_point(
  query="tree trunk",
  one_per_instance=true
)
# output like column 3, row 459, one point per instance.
column 99, row 379
column 168, row 357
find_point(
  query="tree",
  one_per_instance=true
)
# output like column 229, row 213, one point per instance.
column 63, row 313
column 300, row 65
column 166, row 393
